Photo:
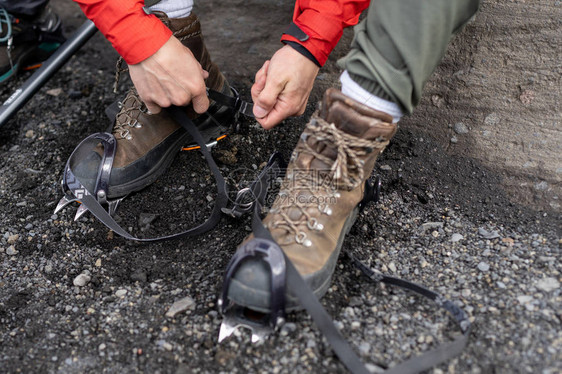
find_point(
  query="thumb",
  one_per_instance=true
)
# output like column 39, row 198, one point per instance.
column 152, row 107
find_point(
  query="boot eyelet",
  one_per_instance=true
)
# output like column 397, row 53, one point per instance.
column 300, row 237
column 325, row 209
column 313, row 224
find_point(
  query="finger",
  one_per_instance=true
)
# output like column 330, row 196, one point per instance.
column 200, row 102
column 153, row 108
column 274, row 117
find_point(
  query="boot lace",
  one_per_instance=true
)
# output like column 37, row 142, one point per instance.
column 301, row 189
column 127, row 118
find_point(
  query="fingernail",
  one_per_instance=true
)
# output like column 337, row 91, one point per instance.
column 259, row 112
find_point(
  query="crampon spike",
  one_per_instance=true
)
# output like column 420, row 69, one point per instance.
column 237, row 317
column 80, row 212
column 64, row 202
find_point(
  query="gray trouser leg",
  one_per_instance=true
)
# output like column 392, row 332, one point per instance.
column 30, row 8
column 399, row 44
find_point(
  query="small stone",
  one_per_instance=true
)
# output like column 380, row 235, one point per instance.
column 386, row 167
column 508, row 241
column 75, row 94
column 373, row 369
column 524, row 299
column 48, row 268
column 364, row 348
column 392, row 267
column 437, row 101
column 145, row 219
column 139, row 276
column 102, row 346
column 180, row 306
column 465, row 293
column 54, row 92
column 29, row 134
column 527, row 97
column 548, row 284
column 12, row 239
column 541, row 186
column 501, row 285
column 492, row 119
column 460, row 128
column 488, row 234
column 456, row 237
column 355, row 325
column 483, row 266
column 120, row 293
column 81, row 280
column 98, row 263
column 430, row 225
column 454, row 139
column 11, row 251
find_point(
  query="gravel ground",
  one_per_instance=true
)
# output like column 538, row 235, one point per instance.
column 74, row 298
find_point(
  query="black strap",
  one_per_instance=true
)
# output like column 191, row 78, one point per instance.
column 296, row 32
column 297, row 285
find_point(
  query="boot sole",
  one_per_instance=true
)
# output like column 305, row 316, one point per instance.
column 319, row 282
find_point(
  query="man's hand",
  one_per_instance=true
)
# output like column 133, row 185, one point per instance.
column 171, row 76
column 282, row 86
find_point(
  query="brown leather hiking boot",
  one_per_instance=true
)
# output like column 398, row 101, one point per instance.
column 147, row 143
column 319, row 197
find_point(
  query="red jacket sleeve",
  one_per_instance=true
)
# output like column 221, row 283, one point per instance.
column 323, row 21
column 133, row 33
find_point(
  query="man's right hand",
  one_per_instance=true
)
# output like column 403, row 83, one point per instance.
column 171, row 76
column 282, row 86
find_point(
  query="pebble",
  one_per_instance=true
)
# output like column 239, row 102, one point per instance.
column 180, row 306
column 392, row 267
column 121, row 292
column 456, row 237
column 454, row 139
column 524, row 299
column 29, row 134
column 488, row 234
column 81, row 280
column 483, row 266
column 386, row 167
column 460, row 128
column 548, row 284
column 492, row 119
column 12, row 239
column 430, row 225
column 11, row 251
column 364, row 348
column 54, row 92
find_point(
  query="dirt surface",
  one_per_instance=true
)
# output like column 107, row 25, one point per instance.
column 504, row 269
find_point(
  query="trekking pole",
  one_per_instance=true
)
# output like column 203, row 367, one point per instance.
column 46, row 71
